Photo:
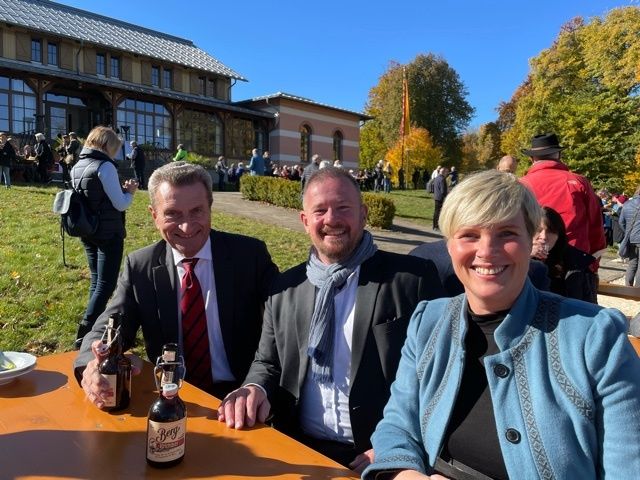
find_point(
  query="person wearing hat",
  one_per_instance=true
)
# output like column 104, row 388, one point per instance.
column 569, row 194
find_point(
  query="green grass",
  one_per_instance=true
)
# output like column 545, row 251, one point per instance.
column 41, row 301
column 413, row 205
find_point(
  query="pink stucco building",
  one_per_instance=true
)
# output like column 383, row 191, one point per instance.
column 301, row 128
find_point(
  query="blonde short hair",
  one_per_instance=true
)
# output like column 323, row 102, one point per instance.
column 104, row 139
column 488, row 198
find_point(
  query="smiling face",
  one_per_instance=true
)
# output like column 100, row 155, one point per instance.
column 334, row 217
column 492, row 263
column 182, row 214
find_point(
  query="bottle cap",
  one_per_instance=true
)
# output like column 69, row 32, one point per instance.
column 169, row 389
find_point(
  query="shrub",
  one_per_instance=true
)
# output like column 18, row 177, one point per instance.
column 381, row 210
column 285, row 193
column 207, row 163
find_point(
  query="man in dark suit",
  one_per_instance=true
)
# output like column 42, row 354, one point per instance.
column 233, row 272
column 333, row 330
column 437, row 252
column 138, row 162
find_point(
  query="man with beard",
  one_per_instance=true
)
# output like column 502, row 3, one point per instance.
column 333, row 330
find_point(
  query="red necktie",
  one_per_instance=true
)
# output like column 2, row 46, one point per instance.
column 195, row 338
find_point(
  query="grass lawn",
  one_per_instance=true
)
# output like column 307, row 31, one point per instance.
column 41, row 301
column 413, row 205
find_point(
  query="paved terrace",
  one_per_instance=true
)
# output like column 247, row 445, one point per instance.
column 403, row 237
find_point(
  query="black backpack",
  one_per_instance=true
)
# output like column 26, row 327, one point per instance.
column 76, row 218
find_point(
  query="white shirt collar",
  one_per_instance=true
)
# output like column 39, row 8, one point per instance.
column 204, row 253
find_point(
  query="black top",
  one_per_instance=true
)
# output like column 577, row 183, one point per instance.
column 471, row 437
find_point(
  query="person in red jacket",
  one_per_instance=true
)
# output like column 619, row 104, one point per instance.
column 569, row 194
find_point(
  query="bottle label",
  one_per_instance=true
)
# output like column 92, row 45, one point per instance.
column 165, row 441
column 112, row 380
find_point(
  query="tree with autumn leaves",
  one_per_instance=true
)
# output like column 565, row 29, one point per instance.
column 585, row 88
column 439, row 114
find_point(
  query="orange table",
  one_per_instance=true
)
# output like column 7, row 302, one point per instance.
column 49, row 430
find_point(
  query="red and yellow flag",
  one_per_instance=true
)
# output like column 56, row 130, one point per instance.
column 405, row 126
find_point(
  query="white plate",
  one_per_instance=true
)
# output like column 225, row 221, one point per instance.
column 25, row 362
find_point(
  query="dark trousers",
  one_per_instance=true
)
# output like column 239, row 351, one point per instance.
column 632, row 275
column 104, row 259
column 140, row 176
column 43, row 172
column 436, row 213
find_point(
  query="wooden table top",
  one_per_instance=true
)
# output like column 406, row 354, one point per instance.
column 49, row 430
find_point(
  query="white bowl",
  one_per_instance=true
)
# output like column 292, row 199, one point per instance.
column 24, row 362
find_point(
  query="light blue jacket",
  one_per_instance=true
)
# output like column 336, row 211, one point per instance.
column 256, row 165
column 567, row 405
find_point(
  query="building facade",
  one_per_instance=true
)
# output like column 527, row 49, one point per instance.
column 303, row 128
column 64, row 69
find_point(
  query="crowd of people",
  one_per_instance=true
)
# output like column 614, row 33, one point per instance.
column 470, row 359
column 483, row 355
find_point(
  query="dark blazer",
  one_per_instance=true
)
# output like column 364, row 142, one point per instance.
column 438, row 253
column 147, row 295
column 389, row 288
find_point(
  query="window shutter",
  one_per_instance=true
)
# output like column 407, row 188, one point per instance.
column 23, row 46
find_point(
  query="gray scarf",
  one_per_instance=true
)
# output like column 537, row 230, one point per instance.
column 327, row 278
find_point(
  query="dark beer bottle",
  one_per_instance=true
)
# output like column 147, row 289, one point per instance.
column 166, row 428
column 116, row 368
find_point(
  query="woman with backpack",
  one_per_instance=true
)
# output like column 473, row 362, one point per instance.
column 95, row 176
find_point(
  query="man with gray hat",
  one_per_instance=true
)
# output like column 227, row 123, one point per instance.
column 569, row 194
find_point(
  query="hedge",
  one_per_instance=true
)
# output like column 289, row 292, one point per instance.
column 286, row 193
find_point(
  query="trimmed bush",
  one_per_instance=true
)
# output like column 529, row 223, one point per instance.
column 381, row 209
column 286, row 193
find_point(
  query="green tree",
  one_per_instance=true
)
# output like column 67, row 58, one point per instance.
column 584, row 88
column 437, row 99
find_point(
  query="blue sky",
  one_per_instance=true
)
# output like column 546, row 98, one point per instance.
column 334, row 51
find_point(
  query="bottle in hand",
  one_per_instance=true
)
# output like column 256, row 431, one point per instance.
column 116, row 368
column 166, row 428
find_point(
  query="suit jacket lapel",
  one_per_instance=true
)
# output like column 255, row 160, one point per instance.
column 366, row 297
column 223, row 273
column 166, row 287
column 305, row 301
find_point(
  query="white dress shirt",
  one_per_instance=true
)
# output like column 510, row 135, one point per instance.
column 324, row 408
column 220, row 369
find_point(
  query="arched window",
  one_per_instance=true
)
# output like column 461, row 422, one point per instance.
column 337, row 145
column 305, row 143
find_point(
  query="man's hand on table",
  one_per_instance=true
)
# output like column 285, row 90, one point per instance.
column 244, row 406
column 95, row 387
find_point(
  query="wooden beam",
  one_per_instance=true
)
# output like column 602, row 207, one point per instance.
column 620, row 291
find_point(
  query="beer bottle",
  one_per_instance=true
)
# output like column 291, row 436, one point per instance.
column 166, row 428
column 116, row 368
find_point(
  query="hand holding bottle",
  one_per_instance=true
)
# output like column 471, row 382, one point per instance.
column 96, row 388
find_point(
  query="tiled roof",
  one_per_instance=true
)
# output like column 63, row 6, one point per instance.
column 79, row 24
column 303, row 100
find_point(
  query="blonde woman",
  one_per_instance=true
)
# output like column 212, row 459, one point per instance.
column 504, row 380
column 96, row 177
